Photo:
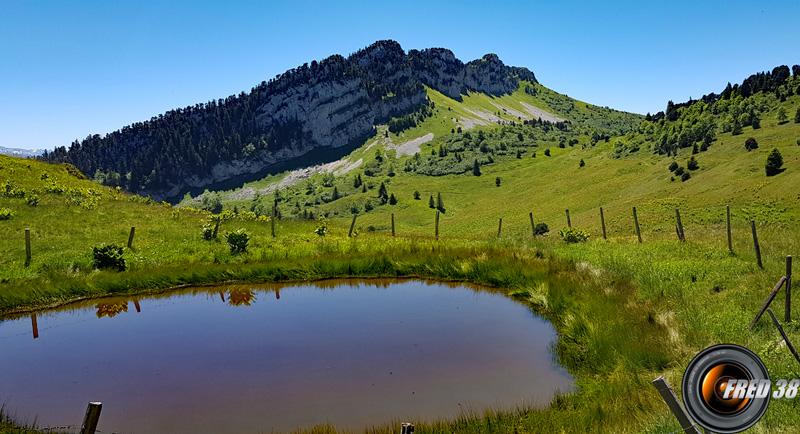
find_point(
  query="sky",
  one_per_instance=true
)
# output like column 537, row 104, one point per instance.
column 70, row 69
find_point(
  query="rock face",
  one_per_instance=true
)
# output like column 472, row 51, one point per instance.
column 310, row 110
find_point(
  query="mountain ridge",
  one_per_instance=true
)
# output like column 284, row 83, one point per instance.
column 323, row 107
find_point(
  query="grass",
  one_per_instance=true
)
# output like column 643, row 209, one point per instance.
column 625, row 312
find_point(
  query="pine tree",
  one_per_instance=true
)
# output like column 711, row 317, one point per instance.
column 439, row 202
column 416, row 195
column 476, row 168
column 774, row 163
column 582, row 163
column 335, row 193
column 797, row 116
column 431, row 203
column 750, row 144
column 497, row 181
column 692, row 164
column 392, row 200
column 547, row 152
column 363, row 188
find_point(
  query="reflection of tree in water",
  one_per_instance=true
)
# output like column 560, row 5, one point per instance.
column 241, row 297
column 111, row 310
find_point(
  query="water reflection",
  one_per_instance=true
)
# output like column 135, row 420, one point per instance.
column 335, row 351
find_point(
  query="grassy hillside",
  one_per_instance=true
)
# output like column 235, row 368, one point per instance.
column 626, row 312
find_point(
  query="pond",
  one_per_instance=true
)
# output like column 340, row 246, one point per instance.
column 267, row 357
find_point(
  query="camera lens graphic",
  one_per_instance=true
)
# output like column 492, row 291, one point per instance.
column 713, row 388
column 706, row 380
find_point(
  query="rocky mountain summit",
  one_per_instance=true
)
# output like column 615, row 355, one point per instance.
column 309, row 114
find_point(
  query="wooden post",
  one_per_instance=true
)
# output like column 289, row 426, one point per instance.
column 35, row 326
column 137, row 306
column 436, row 233
column 603, row 222
column 788, row 306
column 130, row 237
column 687, row 425
column 728, row 219
column 783, row 335
column 636, row 225
column 681, row 234
column 533, row 227
column 407, row 428
column 274, row 216
column 768, row 301
column 569, row 222
column 755, row 244
column 393, row 233
column 92, row 418
column 352, row 226
column 500, row 227
column 27, row 247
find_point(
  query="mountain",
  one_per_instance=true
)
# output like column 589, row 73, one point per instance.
column 314, row 113
column 19, row 152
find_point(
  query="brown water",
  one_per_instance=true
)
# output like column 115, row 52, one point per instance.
column 263, row 358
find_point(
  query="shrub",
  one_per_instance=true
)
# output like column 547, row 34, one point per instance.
column 547, row 152
column 497, row 181
column 571, row 235
column 207, row 232
column 685, row 176
column 237, row 241
column 692, row 164
column 673, row 166
column 33, row 200
column 322, row 229
column 680, row 171
column 774, row 163
column 6, row 214
column 108, row 256
column 750, row 144
column 582, row 163
column 541, row 229
column 416, row 195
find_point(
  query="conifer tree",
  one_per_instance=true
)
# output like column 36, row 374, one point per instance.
column 476, row 168
column 774, row 163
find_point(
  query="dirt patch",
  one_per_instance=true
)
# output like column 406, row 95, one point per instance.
column 538, row 113
column 411, row 147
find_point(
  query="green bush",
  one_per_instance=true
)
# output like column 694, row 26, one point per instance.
column 108, row 256
column 572, row 235
column 541, row 229
column 322, row 229
column 673, row 166
column 685, row 176
column 207, row 232
column 750, row 144
column 6, row 214
column 33, row 200
column 237, row 241
column 774, row 163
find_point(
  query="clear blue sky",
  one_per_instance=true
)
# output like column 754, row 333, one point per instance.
column 71, row 68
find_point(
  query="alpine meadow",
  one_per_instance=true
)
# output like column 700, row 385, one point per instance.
column 613, row 226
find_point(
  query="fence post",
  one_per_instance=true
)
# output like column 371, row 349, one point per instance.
column 755, row 244
column 407, row 428
column 393, row 224
column 728, row 219
column 768, row 301
column 274, row 216
column 500, row 228
column 788, row 308
column 533, row 227
column 27, row 247
column 130, row 237
column 352, row 226
column 436, row 230
column 569, row 222
column 681, row 234
column 603, row 222
column 783, row 335
column 91, row 418
column 636, row 225
column 687, row 425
